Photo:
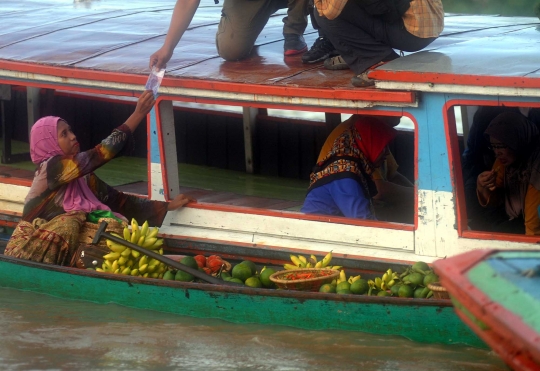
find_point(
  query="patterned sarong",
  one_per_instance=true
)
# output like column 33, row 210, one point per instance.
column 52, row 242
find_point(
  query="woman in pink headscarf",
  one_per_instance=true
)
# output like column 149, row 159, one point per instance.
column 65, row 190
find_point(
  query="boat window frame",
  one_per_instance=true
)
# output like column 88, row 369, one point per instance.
column 377, row 111
column 456, row 171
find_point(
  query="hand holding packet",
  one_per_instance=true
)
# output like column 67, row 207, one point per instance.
column 154, row 80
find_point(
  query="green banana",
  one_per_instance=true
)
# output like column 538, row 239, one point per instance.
column 134, row 272
column 126, row 271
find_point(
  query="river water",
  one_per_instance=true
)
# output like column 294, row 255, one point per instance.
column 40, row 332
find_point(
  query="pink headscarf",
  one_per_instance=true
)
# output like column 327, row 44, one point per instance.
column 44, row 145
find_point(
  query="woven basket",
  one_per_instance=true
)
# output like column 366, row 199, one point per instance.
column 439, row 292
column 285, row 279
column 88, row 231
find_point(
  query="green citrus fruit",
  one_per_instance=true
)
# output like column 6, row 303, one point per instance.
column 343, row 286
column 235, row 280
column 265, row 277
column 344, row 291
column 251, row 265
column 405, row 291
column 430, row 278
column 383, row 293
column 327, row 288
column 421, row 292
column 415, row 279
column 420, row 266
column 169, row 275
column 253, row 282
column 394, row 289
column 183, row 276
column 225, row 275
column 242, row 272
column 359, row 287
column 190, row 262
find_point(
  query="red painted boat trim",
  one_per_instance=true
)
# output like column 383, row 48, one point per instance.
column 16, row 181
column 513, row 340
column 285, row 91
column 453, row 79
column 456, row 173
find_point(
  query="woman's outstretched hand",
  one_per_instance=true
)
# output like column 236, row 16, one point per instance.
column 180, row 201
column 144, row 104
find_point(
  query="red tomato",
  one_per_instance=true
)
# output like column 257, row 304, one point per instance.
column 214, row 264
column 201, row 260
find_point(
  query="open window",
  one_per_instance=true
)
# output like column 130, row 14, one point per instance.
column 510, row 209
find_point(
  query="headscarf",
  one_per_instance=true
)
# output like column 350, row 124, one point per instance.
column 43, row 146
column 375, row 135
column 521, row 136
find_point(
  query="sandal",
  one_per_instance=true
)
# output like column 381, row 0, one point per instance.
column 362, row 80
column 336, row 63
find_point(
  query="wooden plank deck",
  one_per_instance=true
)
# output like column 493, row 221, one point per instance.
column 66, row 43
column 202, row 195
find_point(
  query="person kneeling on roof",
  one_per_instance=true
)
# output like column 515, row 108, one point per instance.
column 365, row 32
column 352, row 170
column 514, row 180
column 65, row 191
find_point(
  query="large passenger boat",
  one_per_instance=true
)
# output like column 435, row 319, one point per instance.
column 218, row 130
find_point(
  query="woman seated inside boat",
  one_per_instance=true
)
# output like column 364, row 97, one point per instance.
column 65, row 191
column 354, row 167
column 514, row 180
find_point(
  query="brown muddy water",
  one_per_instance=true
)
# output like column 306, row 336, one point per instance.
column 40, row 332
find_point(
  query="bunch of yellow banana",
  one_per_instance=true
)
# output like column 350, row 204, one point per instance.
column 300, row 261
column 123, row 260
column 143, row 236
column 387, row 280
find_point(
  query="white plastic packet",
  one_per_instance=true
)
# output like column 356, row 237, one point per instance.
column 154, row 80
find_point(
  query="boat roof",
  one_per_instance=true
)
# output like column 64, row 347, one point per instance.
column 107, row 44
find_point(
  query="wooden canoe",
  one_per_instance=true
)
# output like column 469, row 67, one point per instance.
column 423, row 320
column 497, row 294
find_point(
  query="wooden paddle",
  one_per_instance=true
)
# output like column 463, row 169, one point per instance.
column 194, row 272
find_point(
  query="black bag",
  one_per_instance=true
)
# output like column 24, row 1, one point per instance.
column 89, row 256
column 389, row 10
